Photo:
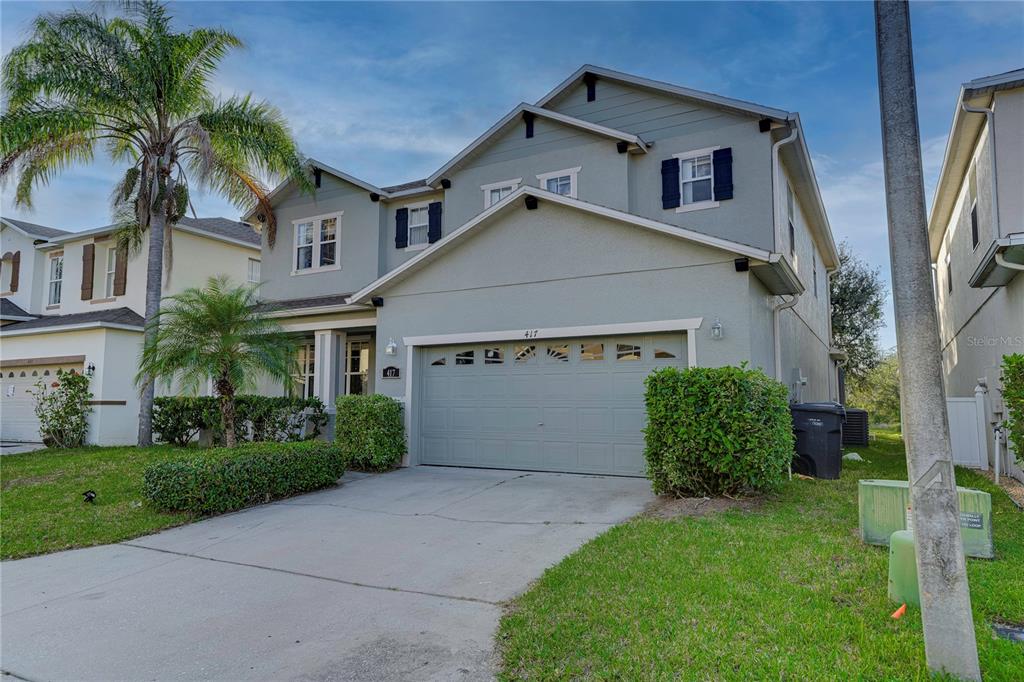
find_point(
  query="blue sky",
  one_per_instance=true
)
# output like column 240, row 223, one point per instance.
column 389, row 92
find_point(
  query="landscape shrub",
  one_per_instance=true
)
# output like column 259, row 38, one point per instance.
column 370, row 431
column 226, row 479
column 1013, row 397
column 62, row 408
column 716, row 431
column 179, row 419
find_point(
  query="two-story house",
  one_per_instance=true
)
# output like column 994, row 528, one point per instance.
column 516, row 298
column 77, row 303
column 976, row 230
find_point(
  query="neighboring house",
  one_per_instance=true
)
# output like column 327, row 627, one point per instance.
column 516, row 299
column 976, row 231
column 78, row 303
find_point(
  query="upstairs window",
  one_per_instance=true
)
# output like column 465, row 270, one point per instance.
column 560, row 182
column 108, row 280
column 316, row 244
column 696, row 179
column 56, row 280
column 496, row 191
column 253, row 273
column 419, row 226
column 974, row 225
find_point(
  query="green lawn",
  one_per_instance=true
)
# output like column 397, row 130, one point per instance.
column 787, row 591
column 41, row 504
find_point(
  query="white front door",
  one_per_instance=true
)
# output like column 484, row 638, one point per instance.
column 358, row 366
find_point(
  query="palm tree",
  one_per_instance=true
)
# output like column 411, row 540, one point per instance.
column 132, row 85
column 217, row 332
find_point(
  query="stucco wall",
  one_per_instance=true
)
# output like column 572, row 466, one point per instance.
column 1009, row 116
column 557, row 267
column 359, row 232
column 676, row 126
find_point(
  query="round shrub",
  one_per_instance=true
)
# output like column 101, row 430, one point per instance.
column 370, row 432
column 716, row 431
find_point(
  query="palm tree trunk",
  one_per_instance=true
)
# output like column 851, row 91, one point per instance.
column 227, row 410
column 154, row 277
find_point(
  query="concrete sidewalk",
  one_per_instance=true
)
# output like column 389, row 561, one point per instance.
column 391, row 577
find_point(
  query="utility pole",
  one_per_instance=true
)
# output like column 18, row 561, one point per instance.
column 949, row 641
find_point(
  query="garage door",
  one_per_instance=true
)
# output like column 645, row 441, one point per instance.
column 17, row 406
column 572, row 405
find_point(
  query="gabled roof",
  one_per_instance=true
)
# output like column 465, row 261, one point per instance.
column 777, row 273
column 9, row 310
column 116, row 318
column 513, row 117
column 720, row 101
column 293, row 307
column 33, row 230
column 963, row 136
column 221, row 229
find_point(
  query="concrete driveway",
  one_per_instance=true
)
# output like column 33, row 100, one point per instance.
column 392, row 577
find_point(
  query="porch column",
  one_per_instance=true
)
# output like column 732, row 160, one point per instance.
column 329, row 352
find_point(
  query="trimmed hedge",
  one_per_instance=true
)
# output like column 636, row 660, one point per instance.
column 370, row 431
column 716, row 431
column 226, row 479
column 258, row 418
column 1013, row 397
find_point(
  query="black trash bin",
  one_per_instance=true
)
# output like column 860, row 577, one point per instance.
column 818, row 428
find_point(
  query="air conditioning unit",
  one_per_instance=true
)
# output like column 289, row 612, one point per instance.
column 883, row 508
column 855, row 428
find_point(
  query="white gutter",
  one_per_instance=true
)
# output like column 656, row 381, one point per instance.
column 776, row 182
column 1000, row 260
column 779, row 307
column 991, row 116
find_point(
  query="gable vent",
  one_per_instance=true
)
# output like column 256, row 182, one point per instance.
column 590, row 80
column 529, row 116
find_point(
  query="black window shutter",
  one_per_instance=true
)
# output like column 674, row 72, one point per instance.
column 434, row 222
column 401, row 228
column 722, row 160
column 670, row 183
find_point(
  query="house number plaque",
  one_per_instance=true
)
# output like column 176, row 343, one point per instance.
column 391, row 372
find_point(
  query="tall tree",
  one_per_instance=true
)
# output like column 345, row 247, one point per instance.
column 218, row 332
column 857, row 293
column 132, row 85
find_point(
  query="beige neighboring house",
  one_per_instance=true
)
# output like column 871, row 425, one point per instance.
column 977, row 247
column 73, row 300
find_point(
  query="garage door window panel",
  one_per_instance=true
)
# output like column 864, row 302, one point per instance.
column 591, row 352
column 558, row 352
column 524, row 354
column 627, row 352
column 465, row 357
column 494, row 355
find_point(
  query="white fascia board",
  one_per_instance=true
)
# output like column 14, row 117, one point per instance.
column 70, row 328
column 342, row 175
column 653, row 225
column 319, row 310
column 819, row 203
column 75, row 236
column 710, row 98
column 411, row 192
column 510, row 117
column 17, row 318
column 618, row 329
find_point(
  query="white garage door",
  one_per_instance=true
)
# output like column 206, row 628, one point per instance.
column 574, row 405
column 17, row 406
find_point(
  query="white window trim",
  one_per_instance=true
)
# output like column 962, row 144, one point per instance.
column 316, row 244
column 542, row 179
column 110, row 274
column 418, row 247
column 486, row 189
column 682, row 156
column 50, row 280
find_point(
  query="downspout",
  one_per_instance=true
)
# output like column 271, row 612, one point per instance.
column 991, row 116
column 777, row 183
column 779, row 307
column 776, row 186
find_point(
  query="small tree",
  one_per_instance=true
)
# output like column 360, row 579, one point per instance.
column 857, row 294
column 216, row 332
column 878, row 391
column 62, row 407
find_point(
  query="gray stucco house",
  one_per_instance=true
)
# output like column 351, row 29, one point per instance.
column 516, row 298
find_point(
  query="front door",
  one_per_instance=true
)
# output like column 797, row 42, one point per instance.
column 358, row 356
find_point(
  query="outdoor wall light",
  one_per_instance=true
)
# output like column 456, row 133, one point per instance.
column 391, row 348
column 716, row 330
column 90, row 369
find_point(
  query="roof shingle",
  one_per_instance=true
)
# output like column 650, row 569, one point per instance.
column 37, row 230
column 125, row 316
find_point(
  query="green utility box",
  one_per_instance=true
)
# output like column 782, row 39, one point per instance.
column 883, row 510
column 903, row 586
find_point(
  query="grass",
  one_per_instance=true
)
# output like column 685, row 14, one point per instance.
column 41, row 504
column 786, row 591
